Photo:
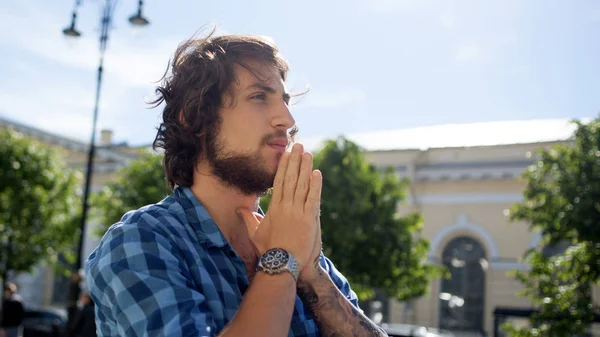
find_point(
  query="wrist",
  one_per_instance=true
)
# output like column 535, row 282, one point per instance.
column 311, row 273
column 276, row 278
column 277, row 261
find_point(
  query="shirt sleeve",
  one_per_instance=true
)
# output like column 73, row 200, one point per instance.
column 142, row 286
column 340, row 281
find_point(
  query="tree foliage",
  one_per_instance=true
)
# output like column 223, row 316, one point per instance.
column 39, row 203
column 562, row 200
column 361, row 232
column 140, row 183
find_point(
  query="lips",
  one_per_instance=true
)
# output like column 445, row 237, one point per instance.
column 279, row 143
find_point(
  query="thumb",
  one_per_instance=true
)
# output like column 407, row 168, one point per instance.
column 258, row 216
column 251, row 219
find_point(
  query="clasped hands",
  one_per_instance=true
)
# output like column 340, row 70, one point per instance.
column 292, row 219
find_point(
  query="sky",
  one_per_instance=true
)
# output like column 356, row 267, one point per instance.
column 371, row 65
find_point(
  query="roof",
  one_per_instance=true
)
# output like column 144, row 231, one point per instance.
column 460, row 135
column 68, row 143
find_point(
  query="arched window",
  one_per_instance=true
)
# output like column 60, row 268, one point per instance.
column 462, row 297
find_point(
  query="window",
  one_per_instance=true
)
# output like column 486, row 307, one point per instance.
column 462, row 296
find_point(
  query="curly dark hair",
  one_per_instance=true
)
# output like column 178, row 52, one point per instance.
column 194, row 88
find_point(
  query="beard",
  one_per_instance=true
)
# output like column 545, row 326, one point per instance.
column 245, row 172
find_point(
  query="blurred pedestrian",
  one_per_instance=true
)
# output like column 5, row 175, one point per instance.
column 84, row 324
column 73, row 297
column 13, row 312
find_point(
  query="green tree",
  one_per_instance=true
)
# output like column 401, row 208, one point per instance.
column 39, row 205
column 562, row 201
column 140, row 183
column 361, row 232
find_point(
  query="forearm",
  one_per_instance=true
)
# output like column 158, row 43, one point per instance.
column 266, row 308
column 334, row 314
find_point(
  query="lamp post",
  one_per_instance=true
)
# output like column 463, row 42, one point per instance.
column 107, row 13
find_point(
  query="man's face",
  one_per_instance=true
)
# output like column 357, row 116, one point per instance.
column 253, row 133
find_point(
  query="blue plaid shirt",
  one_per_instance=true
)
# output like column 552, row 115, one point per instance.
column 167, row 270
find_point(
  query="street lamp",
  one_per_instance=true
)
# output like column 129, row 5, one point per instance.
column 107, row 14
column 138, row 19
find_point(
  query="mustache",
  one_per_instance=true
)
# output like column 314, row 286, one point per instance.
column 290, row 136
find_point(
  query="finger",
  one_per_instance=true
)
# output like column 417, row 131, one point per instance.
column 303, row 178
column 319, row 239
column 313, row 200
column 291, row 173
column 319, row 243
column 317, row 248
column 279, row 177
column 250, row 219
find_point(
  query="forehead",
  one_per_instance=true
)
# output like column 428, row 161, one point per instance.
column 252, row 72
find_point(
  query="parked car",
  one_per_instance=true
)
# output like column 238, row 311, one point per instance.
column 409, row 330
column 44, row 322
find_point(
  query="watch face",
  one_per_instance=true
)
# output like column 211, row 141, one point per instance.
column 275, row 259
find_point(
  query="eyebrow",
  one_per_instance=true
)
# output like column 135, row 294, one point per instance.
column 286, row 96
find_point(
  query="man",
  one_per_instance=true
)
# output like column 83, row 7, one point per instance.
column 205, row 261
column 73, row 297
column 84, row 322
column 13, row 312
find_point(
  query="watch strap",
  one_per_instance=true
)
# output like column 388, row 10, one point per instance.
column 292, row 267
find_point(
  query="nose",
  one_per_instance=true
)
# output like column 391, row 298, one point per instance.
column 282, row 118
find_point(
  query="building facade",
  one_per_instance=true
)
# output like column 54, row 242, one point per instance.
column 464, row 195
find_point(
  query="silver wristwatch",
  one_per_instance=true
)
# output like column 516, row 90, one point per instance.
column 278, row 260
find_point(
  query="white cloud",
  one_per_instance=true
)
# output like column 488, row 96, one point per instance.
column 331, row 98
column 448, row 20
column 387, row 6
column 136, row 63
column 61, row 109
column 59, row 98
column 469, row 52
column 67, row 109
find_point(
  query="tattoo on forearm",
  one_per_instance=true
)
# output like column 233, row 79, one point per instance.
column 334, row 314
